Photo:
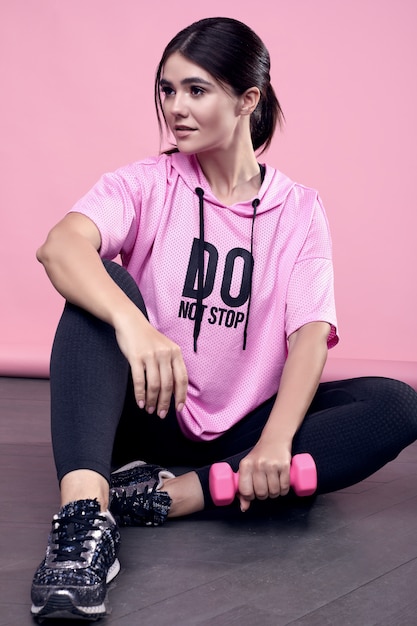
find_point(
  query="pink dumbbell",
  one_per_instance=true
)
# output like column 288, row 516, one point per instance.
column 224, row 481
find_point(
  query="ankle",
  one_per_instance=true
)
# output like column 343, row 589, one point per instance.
column 186, row 494
column 85, row 485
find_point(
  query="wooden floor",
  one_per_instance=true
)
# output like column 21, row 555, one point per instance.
column 348, row 558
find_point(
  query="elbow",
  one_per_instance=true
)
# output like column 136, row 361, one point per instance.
column 40, row 254
column 49, row 251
column 312, row 337
column 43, row 253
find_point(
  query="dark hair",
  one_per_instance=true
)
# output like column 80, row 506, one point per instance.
column 235, row 56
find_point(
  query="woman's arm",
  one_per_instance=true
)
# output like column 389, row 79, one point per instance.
column 71, row 260
column 265, row 471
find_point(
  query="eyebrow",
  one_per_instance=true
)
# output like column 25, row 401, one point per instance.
column 187, row 81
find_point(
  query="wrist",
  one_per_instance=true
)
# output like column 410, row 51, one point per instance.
column 125, row 313
column 281, row 437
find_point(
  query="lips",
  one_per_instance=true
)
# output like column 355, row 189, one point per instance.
column 183, row 132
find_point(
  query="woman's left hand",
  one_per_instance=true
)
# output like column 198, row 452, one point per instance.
column 264, row 472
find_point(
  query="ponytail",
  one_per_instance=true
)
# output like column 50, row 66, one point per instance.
column 265, row 118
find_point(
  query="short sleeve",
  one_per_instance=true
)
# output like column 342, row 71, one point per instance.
column 110, row 205
column 310, row 295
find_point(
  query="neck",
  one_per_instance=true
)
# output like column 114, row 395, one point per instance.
column 233, row 177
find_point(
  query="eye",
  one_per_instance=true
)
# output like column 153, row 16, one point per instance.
column 196, row 91
column 167, row 91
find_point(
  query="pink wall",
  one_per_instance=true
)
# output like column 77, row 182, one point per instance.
column 76, row 82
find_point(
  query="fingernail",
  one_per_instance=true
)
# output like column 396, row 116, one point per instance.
column 141, row 404
column 180, row 406
column 151, row 409
column 162, row 414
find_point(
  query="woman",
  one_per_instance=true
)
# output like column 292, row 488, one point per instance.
column 211, row 345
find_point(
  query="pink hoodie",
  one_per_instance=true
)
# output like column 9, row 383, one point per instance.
column 149, row 213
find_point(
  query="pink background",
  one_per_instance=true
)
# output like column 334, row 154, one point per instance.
column 76, row 83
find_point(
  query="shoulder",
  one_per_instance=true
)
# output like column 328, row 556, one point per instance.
column 302, row 197
column 300, row 207
column 281, row 189
column 149, row 168
column 155, row 172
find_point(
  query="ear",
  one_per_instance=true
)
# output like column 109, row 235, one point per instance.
column 249, row 100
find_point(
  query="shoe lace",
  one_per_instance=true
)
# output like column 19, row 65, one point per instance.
column 70, row 533
column 138, row 506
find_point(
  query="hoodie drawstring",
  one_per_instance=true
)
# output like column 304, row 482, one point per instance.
column 200, row 273
column 255, row 205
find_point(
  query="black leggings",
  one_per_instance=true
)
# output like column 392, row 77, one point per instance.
column 352, row 428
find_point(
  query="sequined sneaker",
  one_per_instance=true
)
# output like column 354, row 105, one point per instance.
column 81, row 559
column 135, row 499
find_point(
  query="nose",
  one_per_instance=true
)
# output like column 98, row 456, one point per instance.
column 179, row 105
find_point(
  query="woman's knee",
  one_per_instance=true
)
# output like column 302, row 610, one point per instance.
column 403, row 396
column 126, row 282
column 398, row 401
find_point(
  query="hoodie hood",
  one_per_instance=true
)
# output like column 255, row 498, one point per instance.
column 188, row 168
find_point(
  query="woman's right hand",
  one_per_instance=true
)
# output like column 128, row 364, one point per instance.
column 157, row 365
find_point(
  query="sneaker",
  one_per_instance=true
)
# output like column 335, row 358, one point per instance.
column 80, row 561
column 135, row 499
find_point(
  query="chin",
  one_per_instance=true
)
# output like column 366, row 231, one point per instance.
column 186, row 149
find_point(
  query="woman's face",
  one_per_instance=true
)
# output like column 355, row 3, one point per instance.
column 201, row 114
